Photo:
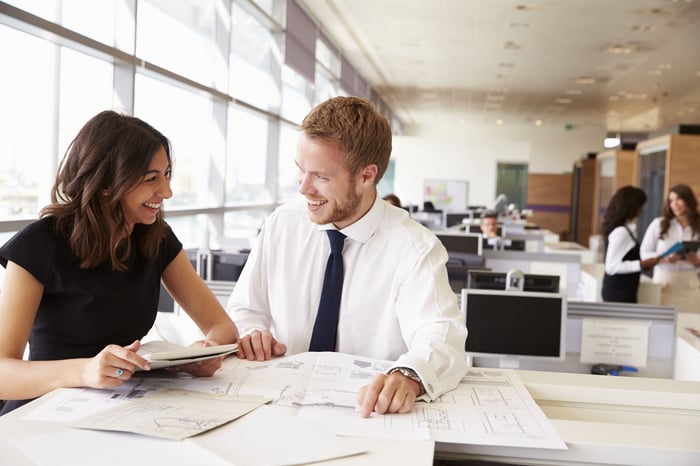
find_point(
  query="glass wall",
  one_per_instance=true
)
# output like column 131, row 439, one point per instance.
column 209, row 74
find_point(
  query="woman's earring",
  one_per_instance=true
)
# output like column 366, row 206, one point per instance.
column 105, row 193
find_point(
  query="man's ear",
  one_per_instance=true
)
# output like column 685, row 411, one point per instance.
column 369, row 174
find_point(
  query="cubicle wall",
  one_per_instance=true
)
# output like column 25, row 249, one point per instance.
column 566, row 266
column 661, row 321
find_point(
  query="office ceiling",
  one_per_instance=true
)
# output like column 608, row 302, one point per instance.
column 628, row 65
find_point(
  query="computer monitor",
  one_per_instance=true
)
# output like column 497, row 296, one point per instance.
column 487, row 280
column 227, row 266
column 504, row 244
column 514, row 325
column 477, row 229
column 457, row 218
column 458, row 272
column 433, row 220
column 467, row 243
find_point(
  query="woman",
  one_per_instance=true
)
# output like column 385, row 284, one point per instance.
column 622, row 262
column 82, row 282
column 677, row 273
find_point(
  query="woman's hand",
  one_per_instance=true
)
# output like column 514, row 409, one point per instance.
column 205, row 368
column 113, row 366
column 693, row 258
column 649, row 263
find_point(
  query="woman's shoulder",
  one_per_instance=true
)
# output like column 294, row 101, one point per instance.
column 44, row 228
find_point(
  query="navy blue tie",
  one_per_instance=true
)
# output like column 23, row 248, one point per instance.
column 326, row 326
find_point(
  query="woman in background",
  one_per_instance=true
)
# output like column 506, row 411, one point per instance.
column 676, row 273
column 623, row 265
column 82, row 282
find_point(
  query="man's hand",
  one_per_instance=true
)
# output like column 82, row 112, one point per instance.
column 260, row 345
column 394, row 393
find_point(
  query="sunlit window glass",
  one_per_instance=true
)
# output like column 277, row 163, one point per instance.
column 325, row 87
column 187, row 228
column 288, row 173
column 327, row 57
column 93, row 19
column 296, row 95
column 27, row 111
column 247, row 157
column 186, row 119
column 180, row 36
column 254, row 62
column 85, row 90
column 244, row 223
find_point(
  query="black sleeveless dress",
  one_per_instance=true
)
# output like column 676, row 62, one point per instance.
column 622, row 287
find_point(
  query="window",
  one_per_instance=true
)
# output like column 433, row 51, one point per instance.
column 296, row 95
column 287, row 172
column 28, row 97
column 255, row 62
column 186, row 118
column 180, row 36
column 246, row 161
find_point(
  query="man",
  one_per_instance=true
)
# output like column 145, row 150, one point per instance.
column 396, row 301
column 489, row 225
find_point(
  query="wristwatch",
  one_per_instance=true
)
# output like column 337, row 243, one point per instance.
column 411, row 374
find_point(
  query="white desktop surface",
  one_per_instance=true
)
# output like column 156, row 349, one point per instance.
column 379, row 451
column 603, row 420
column 606, row 420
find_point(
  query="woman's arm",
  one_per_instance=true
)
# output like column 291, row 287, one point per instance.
column 19, row 379
column 195, row 297
column 619, row 243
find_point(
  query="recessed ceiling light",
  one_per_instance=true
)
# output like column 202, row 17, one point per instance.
column 495, row 98
column 620, row 49
column 614, row 98
column 538, row 122
column 511, row 45
column 499, row 122
column 586, row 80
column 528, row 7
column 654, row 72
column 637, row 96
column 665, row 66
column 573, row 92
column 563, row 100
column 643, row 28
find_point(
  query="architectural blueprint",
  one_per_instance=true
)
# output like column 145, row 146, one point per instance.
column 488, row 407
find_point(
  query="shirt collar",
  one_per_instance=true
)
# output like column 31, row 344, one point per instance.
column 365, row 227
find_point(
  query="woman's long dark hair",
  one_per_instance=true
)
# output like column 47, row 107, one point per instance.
column 686, row 193
column 623, row 207
column 107, row 158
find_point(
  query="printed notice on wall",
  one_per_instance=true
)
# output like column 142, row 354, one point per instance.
column 611, row 341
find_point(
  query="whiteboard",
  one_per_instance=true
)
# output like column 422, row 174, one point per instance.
column 447, row 195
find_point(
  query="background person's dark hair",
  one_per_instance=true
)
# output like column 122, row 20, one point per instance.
column 393, row 199
column 623, row 207
column 686, row 193
column 489, row 214
column 108, row 158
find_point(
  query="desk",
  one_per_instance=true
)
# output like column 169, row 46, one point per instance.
column 606, row 420
column 380, row 451
column 603, row 420
column 687, row 364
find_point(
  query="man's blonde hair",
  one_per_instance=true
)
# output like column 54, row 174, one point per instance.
column 354, row 123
